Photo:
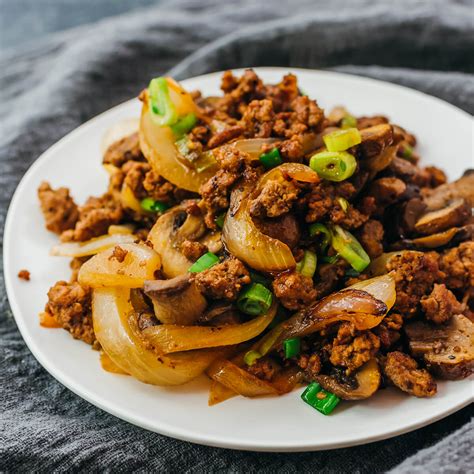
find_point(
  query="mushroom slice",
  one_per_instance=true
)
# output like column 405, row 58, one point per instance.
column 447, row 350
column 436, row 221
column 367, row 380
column 176, row 301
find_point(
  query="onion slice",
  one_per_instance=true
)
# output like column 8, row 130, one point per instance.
column 118, row 335
column 92, row 246
column 167, row 338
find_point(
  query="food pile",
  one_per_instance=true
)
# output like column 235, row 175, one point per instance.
column 257, row 239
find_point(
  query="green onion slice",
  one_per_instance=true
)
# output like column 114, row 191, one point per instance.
column 184, row 125
column 341, row 140
column 251, row 357
column 220, row 220
column 150, row 205
column 291, row 347
column 255, row 299
column 163, row 111
column 320, row 399
column 333, row 165
column 307, row 265
column 330, row 258
column 407, row 152
column 348, row 247
column 349, row 121
column 318, row 229
column 208, row 260
column 271, row 159
column 344, row 203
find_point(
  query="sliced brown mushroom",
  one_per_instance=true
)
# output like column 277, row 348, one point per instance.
column 447, row 350
column 367, row 380
column 453, row 215
column 440, row 197
column 387, row 190
column 375, row 139
column 176, row 301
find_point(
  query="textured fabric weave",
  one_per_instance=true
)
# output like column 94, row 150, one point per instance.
column 48, row 89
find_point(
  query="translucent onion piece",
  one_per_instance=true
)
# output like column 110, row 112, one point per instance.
column 158, row 145
column 92, row 246
column 129, row 201
column 382, row 288
column 168, row 338
column 253, row 146
column 116, row 132
column 379, row 266
column 219, row 393
column 102, row 270
column 162, row 236
column 239, row 380
column 119, row 337
column 121, row 229
column 109, row 366
column 245, row 241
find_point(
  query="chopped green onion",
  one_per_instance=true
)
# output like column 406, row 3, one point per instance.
column 320, row 399
column 291, row 347
column 255, row 299
column 348, row 247
column 208, row 260
column 407, row 152
column 318, row 229
column 341, row 140
column 259, row 278
column 162, row 109
column 220, row 220
column 150, row 205
column 184, row 125
column 251, row 357
column 343, row 203
column 333, row 165
column 349, row 121
column 271, row 159
column 307, row 265
column 330, row 258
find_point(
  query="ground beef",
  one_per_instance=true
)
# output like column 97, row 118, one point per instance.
column 275, row 199
column 294, row 290
column 404, row 373
column 430, row 177
column 263, row 369
column 70, row 306
column 24, row 275
column 318, row 202
column 308, row 112
column 193, row 250
column 292, row 149
column 135, row 173
column 95, row 217
column 258, row 119
column 371, row 238
column 328, row 277
column 367, row 122
column 375, row 139
column 351, row 218
column 225, row 136
column 75, row 265
column 59, row 209
column 414, row 273
column 121, row 151
column 352, row 349
column 283, row 93
column 440, row 305
column 118, row 253
column 458, row 265
column 224, row 280
column 159, row 189
column 388, row 331
column 387, row 190
column 311, row 364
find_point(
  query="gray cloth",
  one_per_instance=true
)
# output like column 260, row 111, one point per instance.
column 48, row 89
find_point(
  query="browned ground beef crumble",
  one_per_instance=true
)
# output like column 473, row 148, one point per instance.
column 380, row 206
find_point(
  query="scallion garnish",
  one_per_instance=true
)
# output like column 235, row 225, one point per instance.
column 343, row 203
column 333, row 165
column 184, row 125
column 251, row 357
column 307, row 265
column 322, row 231
column 320, row 399
column 255, row 299
column 349, row 121
column 150, row 205
column 330, row 258
column 208, row 260
column 162, row 109
column 220, row 220
column 349, row 248
column 407, row 152
column 341, row 140
column 271, row 159
column 291, row 347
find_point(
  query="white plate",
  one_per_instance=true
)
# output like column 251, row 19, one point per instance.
column 267, row 424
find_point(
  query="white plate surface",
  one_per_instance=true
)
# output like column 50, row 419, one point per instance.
column 266, row 424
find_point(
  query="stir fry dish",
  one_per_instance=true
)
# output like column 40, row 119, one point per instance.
column 257, row 239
